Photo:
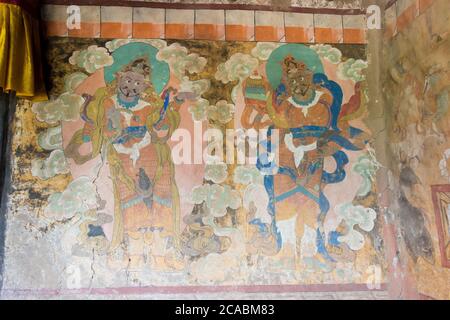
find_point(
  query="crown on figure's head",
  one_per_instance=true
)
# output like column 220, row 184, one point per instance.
column 141, row 66
column 289, row 62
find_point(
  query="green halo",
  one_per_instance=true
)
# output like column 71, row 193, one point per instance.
column 129, row 52
column 300, row 52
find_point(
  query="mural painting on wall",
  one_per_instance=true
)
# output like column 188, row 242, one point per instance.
column 441, row 201
column 418, row 96
column 126, row 111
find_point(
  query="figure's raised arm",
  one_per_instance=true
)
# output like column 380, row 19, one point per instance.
column 86, row 142
column 278, row 118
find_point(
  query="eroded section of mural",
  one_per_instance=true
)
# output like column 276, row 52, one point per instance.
column 416, row 88
column 109, row 186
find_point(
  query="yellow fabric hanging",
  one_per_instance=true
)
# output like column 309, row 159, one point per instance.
column 20, row 53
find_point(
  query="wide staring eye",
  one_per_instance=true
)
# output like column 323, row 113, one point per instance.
column 138, row 83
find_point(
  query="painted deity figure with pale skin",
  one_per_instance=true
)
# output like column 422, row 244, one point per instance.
column 129, row 124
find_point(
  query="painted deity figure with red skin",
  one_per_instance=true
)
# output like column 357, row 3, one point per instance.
column 304, row 107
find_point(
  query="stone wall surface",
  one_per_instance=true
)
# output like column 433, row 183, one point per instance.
column 416, row 88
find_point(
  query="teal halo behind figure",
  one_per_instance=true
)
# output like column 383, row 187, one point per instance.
column 299, row 52
column 129, row 52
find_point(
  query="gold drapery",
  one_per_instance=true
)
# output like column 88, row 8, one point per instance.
column 20, row 52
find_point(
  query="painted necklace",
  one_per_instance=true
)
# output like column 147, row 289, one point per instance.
column 305, row 102
column 126, row 104
column 306, row 105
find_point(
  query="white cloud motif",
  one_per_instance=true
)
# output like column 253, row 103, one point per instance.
column 197, row 87
column 51, row 139
column 92, row 59
column 328, row 52
column 180, row 60
column 55, row 164
column 217, row 198
column 238, row 67
column 198, row 109
column 355, row 215
column 73, row 80
column 366, row 166
column 352, row 69
column 221, row 112
column 66, row 108
column 263, row 50
column 216, row 173
column 79, row 197
column 247, row 175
